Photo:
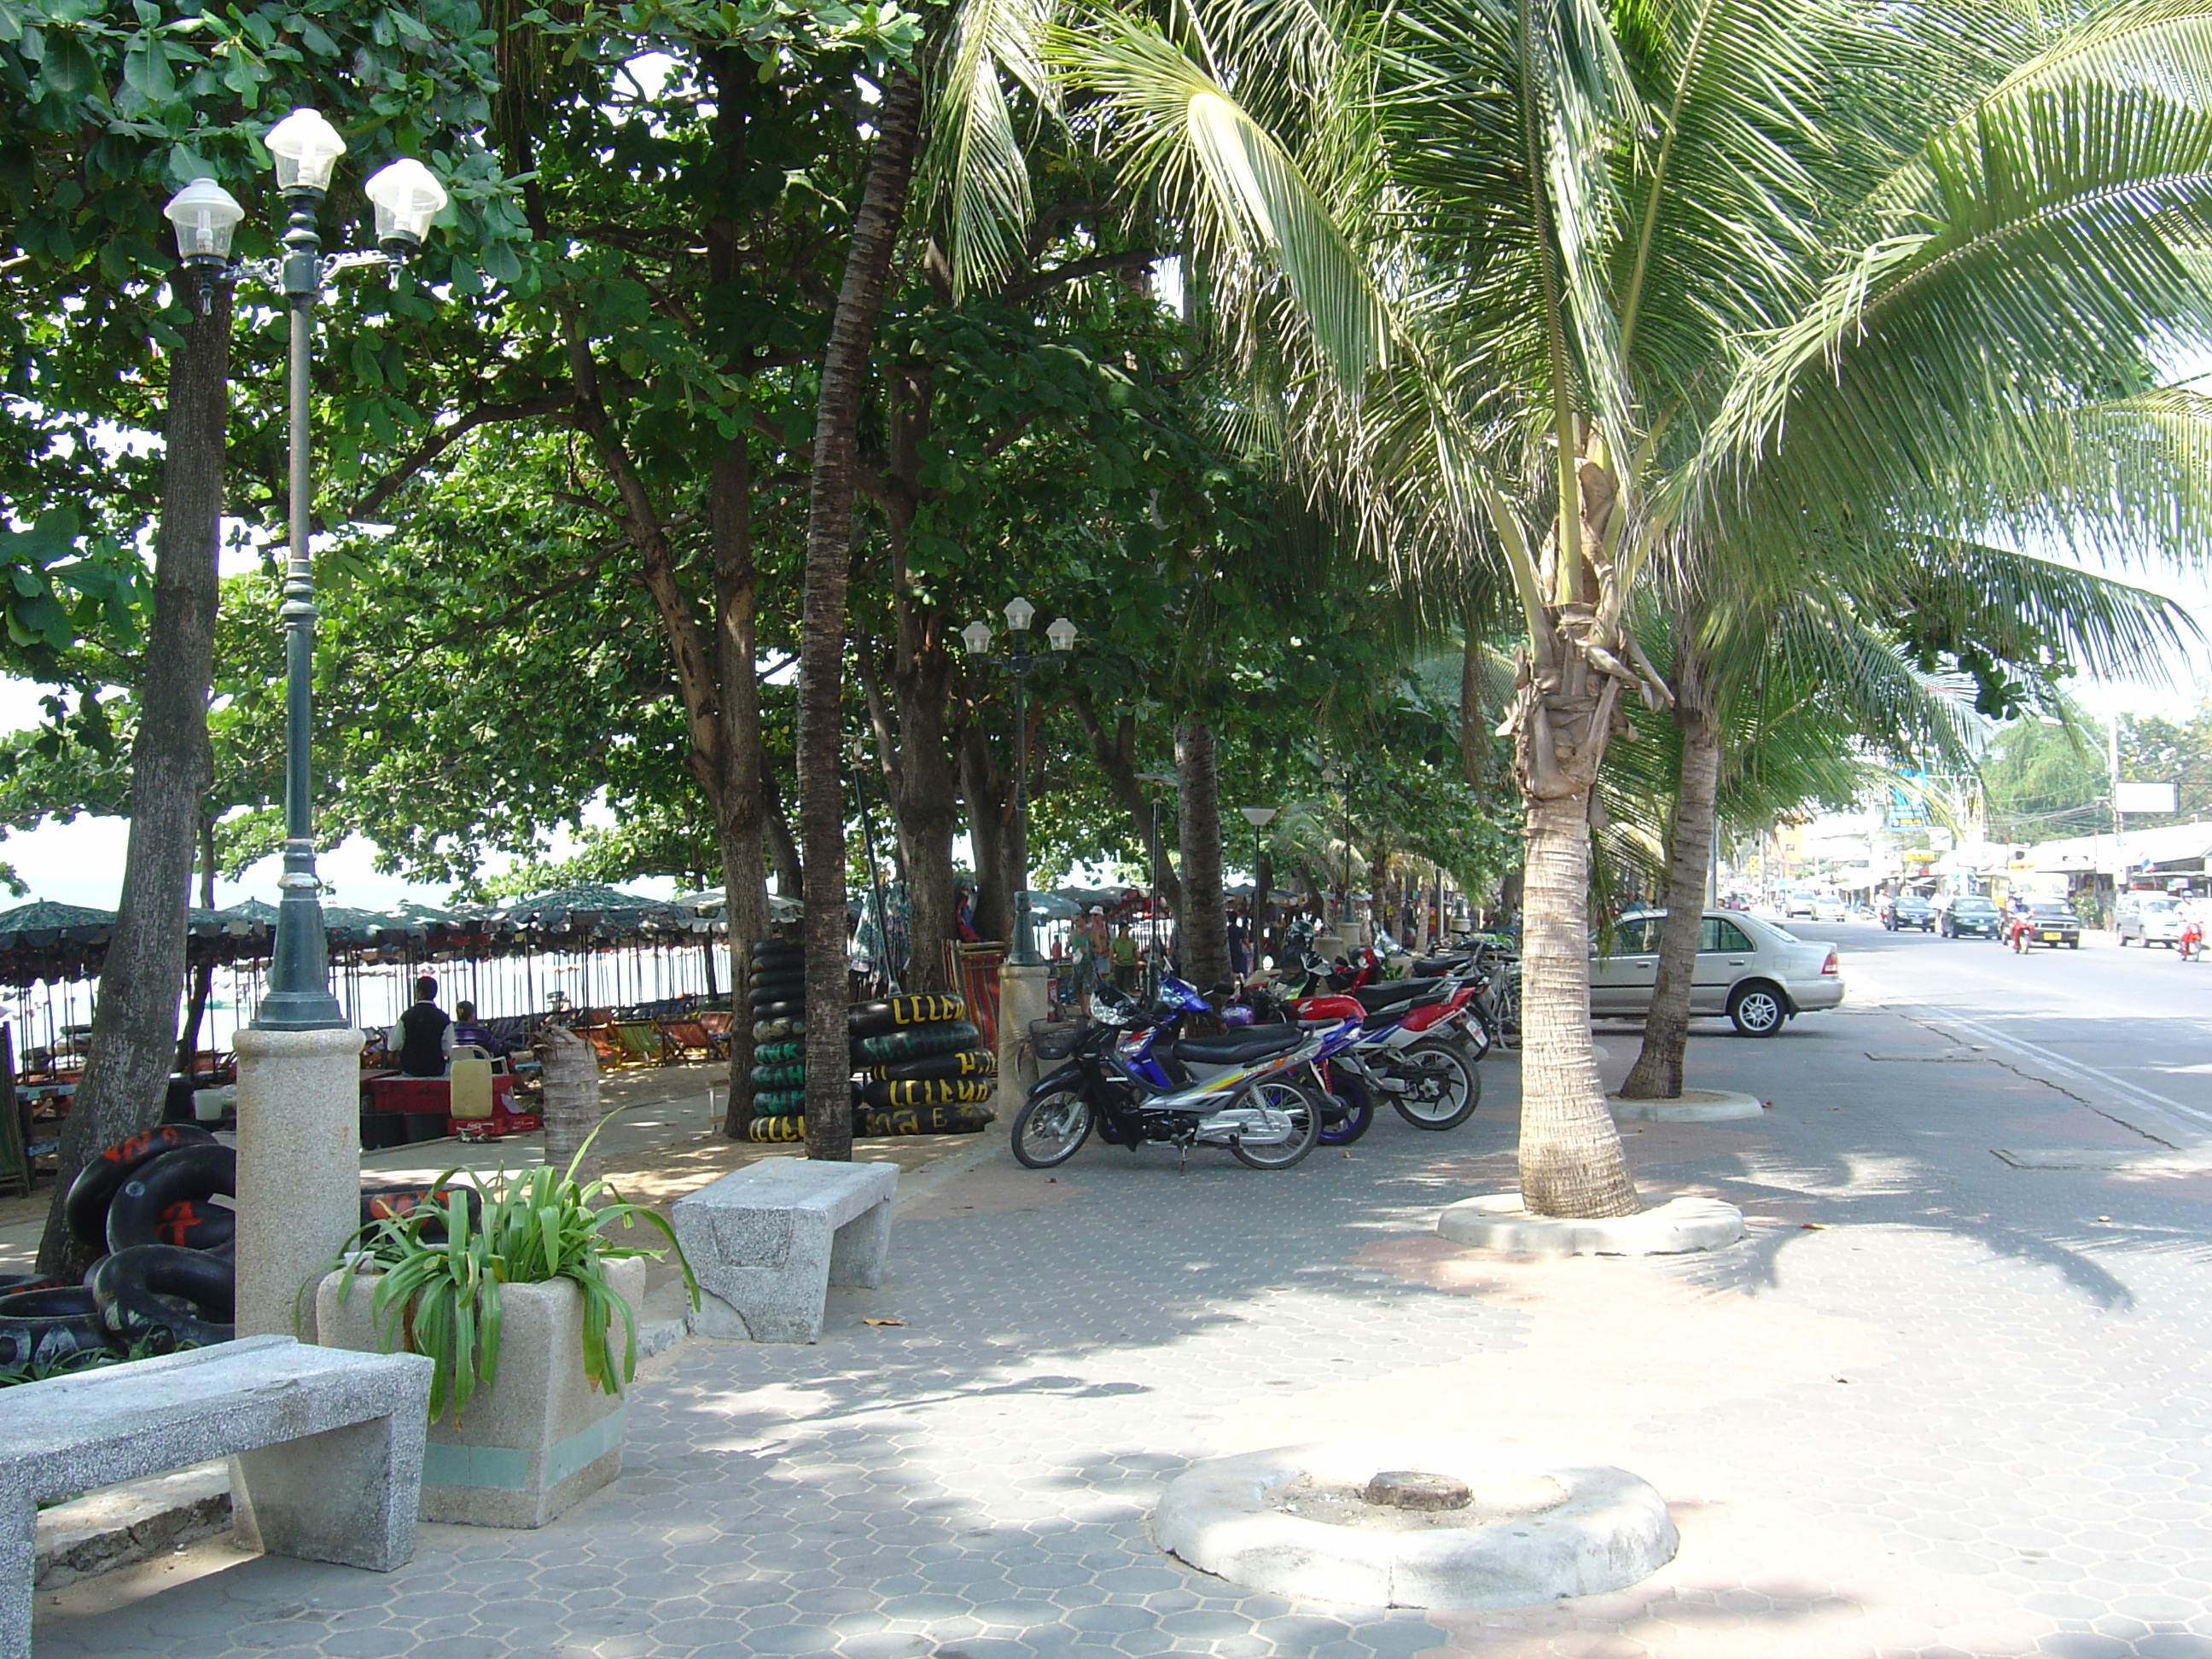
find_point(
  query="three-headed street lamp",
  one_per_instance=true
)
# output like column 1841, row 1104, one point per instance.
column 1017, row 662
column 305, row 149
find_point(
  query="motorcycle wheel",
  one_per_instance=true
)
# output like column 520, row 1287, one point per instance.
column 1297, row 1102
column 1358, row 1114
column 1442, row 1088
column 1051, row 1129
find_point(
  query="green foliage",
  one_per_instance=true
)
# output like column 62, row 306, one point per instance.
column 441, row 1298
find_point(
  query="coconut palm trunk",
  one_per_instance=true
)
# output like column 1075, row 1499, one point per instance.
column 1570, row 1156
column 820, row 737
column 572, row 1098
column 1658, row 1073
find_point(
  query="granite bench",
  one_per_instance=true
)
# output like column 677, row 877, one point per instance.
column 328, row 1443
column 768, row 1241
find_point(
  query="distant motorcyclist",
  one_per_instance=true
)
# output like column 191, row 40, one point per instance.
column 2190, row 946
column 2022, row 924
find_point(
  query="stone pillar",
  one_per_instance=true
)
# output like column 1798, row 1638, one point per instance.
column 298, row 1172
column 1022, row 998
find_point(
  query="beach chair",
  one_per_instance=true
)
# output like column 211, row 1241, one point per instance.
column 640, row 1042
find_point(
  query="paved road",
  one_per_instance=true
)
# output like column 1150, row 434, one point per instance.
column 1951, row 1396
column 2141, row 1020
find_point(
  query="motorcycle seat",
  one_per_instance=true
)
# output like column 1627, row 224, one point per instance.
column 1440, row 964
column 1393, row 991
column 1257, row 1043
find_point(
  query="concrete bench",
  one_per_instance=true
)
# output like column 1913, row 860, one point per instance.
column 767, row 1241
column 329, row 1446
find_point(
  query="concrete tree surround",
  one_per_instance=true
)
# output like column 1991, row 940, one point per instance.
column 1691, row 1106
column 1498, row 1221
column 1541, row 1526
column 298, row 1170
column 541, row 1436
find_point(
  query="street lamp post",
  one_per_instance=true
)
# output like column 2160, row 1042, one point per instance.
column 305, row 148
column 1017, row 662
column 1259, row 818
column 299, row 1072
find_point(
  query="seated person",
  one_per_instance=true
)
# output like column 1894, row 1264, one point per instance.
column 465, row 1033
column 426, row 1033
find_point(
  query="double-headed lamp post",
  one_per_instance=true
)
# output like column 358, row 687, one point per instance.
column 305, row 149
column 1017, row 662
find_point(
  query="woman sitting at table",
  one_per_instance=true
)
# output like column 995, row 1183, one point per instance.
column 467, row 1034
column 426, row 1034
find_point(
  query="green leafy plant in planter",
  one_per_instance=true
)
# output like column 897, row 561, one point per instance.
column 440, row 1296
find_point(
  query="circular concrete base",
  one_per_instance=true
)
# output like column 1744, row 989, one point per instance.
column 1691, row 1106
column 1540, row 1527
column 1496, row 1222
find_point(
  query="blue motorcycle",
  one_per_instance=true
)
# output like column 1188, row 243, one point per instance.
column 1138, row 1081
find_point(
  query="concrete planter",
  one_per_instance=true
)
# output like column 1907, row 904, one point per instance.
column 541, row 1436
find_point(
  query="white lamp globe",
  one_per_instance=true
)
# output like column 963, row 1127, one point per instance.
column 976, row 636
column 1258, row 816
column 1062, row 635
column 204, row 214
column 1020, row 613
column 305, row 147
column 408, row 196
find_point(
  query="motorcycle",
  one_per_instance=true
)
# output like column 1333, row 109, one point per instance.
column 1136, row 1079
column 2191, row 943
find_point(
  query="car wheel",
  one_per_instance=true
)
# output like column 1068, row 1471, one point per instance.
column 1756, row 1009
column 2073, row 943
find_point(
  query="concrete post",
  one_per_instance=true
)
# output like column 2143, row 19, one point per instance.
column 298, row 1170
column 1022, row 998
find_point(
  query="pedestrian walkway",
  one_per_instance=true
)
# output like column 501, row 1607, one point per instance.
column 1934, row 1404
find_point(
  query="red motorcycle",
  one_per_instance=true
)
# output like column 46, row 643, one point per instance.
column 2191, row 944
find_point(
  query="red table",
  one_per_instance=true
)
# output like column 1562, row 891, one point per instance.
column 390, row 1092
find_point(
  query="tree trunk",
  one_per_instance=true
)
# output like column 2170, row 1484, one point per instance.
column 1473, row 728
column 1201, row 925
column 1657, row 1074
column 782, row 845
column 821, row 737
column 200, row 982
column 984, row 786
column 1117, row 763
column 572, row 1099
column 738, row 807
column 924, row 797
column 1263, row 886
column 134, row 1029
column 1571, row 1162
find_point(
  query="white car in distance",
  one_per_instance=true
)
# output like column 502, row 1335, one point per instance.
column 1757, row 973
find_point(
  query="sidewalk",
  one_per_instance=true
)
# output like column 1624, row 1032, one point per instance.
column 1934, row 1405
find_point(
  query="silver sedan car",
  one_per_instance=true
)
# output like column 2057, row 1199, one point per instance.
column 1757, row 973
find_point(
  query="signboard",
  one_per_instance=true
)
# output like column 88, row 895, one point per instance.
column 2143, row 798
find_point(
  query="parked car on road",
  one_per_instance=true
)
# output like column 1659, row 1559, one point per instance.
column 1910, row 910
column 1800, row 901
column 2146, row 918
column 1829, row 908
column 1757, row 973
column 1970, row 915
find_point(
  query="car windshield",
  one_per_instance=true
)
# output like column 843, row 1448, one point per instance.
column 1777, row 930
column 2158, row 904
column 1974, row 907
column 2051, row 912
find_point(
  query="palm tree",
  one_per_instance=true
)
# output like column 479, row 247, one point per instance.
column 1549, row 278
column 820, row 741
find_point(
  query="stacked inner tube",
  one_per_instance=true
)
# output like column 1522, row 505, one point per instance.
column 164, row 1278
column 778, row 1002
column 918, row 1067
